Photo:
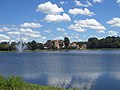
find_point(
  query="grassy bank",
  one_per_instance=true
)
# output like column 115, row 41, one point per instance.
column 16, row 83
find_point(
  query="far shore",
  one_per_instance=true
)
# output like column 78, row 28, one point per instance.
column 63, row 50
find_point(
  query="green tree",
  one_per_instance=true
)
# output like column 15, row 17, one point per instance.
column 66, row 41
column 102, row 43
column 93, row 42
column 61, row 44
column 12, row 46
column 53, row 45
column 4, row 46
column 40, row 46
column 32, row 45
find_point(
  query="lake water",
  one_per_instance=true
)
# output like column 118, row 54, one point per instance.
column 85, row 69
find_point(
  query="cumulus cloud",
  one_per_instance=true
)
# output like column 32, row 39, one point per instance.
column 81, row 25
column 31, row 25
column 60, row 29
column 30, row 32
column 77, row 11
column 49, row 8
column 115, row 22
column 78, row 3
column 57, row 18
column 113, row 33
column 98, row 1
column 4, row 38
column 5, row 29
column 76, row 27
column 118, row 1
column 14, row 33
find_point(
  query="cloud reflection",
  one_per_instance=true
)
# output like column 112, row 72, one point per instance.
column 81, row 80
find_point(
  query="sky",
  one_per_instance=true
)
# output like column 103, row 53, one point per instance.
column 43, row 20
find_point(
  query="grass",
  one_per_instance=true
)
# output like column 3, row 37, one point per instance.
column 16, row 83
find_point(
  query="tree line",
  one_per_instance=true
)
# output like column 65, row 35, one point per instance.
column 108, row 42
column 92, row 43
column 33, row 45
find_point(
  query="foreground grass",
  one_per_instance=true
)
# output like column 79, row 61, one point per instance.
column 16, row 83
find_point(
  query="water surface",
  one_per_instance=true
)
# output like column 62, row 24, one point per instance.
column 85, row 69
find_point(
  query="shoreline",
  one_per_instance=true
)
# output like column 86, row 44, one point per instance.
column 17, row 83
column 64, row 50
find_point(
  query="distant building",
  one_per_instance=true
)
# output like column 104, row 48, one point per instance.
column 49, row 43
column 84, row 46
column 57, row 42
column 74, row 45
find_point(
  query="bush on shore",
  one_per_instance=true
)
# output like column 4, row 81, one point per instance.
column 16, row 83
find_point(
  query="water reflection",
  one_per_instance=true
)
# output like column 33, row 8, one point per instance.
column 93, row 70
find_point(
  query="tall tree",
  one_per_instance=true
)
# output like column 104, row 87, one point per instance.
column 53, row 45
column 61, row 44
column 66, row 41
column 12, row 46
column 33, row 45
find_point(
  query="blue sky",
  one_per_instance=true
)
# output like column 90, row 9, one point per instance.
column 42, row 20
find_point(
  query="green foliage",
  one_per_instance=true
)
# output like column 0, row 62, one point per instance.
column 12, row 46
column 61, row 44
column 108, row 42
column 93, row 42
column 32, row 45
column 66, row 41
column 16, row 83
column 53, row 45
column 40, row 46
column 4, row 46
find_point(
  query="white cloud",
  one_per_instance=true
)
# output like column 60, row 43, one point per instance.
column 101, row 31
column 31, row 25
column 115, row 22
column 118, row 1
column 84, row 11
column 57, row 18
column 76, row 27
column 78, row 3
column 30, row 33
column 62, row 2
column 5, row 29
column 113, row 33
column 98, row 1
column 60, row 29
column 14, row 33
column 89, row 4
column 81, row 25
column 59, row 37
column 65, row 34
column 49, row 8
column 43, row 37
column 48, row 31
column 4, row 38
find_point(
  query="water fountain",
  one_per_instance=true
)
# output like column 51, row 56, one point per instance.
column 21, row 46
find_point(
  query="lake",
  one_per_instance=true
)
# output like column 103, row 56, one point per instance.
column 84, row 69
